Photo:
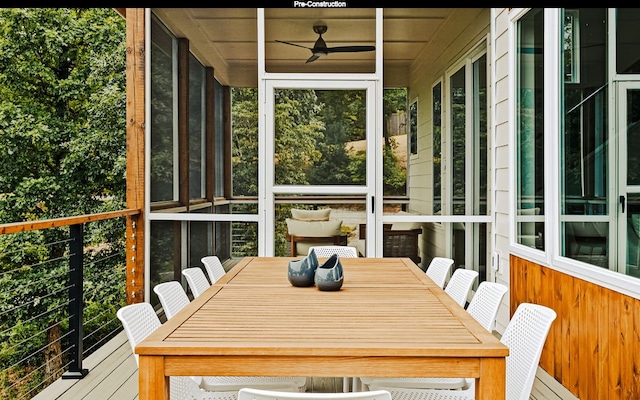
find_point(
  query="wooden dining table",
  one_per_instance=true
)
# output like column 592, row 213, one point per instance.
column 388, row 320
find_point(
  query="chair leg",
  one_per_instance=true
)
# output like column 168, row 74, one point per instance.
column 345, row 384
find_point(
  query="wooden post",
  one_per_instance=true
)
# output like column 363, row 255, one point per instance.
column 135, row 63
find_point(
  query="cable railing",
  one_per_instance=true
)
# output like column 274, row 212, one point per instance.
column 61, row 284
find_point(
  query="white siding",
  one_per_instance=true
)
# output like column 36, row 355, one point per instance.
column 450, row 44
column 501, row 138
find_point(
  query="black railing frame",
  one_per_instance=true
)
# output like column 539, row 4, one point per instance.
column 76, row 302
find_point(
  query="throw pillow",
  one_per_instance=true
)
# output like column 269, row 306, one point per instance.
column 311, row 215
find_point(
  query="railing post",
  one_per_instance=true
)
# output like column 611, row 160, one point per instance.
column 76, row 302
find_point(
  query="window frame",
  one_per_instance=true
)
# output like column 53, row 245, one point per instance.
column 554, row 78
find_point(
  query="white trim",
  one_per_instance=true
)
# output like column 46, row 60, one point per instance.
column 264, row 248
column 492, row 152
column 160, row 216
column 147, row 152
column 374, row 215
column 552, row 117
column 320, row 77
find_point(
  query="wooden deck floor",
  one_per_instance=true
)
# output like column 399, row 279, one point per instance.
column 113, row 374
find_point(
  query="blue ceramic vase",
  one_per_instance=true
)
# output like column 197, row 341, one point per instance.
column 329, row 276
column 313, row 259
column 302, row 272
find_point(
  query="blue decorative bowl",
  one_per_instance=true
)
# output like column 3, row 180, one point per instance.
column 313, row 259
column 301, row 272
column 329, row 276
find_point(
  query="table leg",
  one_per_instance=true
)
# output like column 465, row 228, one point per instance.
column 152, row 382
column 491, row 384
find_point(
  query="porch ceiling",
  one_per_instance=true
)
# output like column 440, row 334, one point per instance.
column 226, row 38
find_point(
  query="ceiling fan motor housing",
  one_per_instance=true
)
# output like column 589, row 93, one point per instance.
column 319, row 29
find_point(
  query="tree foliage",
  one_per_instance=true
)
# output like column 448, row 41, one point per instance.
column 298, row 130
column 61, row 112
column 62, row 153
column 313, row 129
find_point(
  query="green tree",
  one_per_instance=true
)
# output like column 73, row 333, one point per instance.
column 298, row 130
column 394, row 173
column 62, row 153
column 394, row 101
column 344, row 115
column 297, row 133
column 244, row 151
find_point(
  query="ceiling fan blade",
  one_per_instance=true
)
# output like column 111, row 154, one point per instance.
column 349, row 49
column 320, row 48
column 312, row 58
column 293, row 44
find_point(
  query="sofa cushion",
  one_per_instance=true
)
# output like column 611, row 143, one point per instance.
column 314, row 228
column 311, row 215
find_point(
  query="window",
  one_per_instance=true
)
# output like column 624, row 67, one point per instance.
column 530, row 163
column 219, row 161
column 457, row 92
column 437, row 147
column 584, row 141
column 571, row 46
column 628, row 41
column 413, row 127
column 197, row 139
column 163, row 130
column 467, row 162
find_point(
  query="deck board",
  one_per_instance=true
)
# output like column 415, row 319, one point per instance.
column 113, row 374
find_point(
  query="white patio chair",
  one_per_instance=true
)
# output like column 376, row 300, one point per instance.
column 341, row 251
column 139, row 321
column 197, row 280
column 525, row 336
column 485, row 303
column 214, row 268
column 173, row 299
column 460, row 285
column 439, row 270
column 484, row 308
column 256, row 394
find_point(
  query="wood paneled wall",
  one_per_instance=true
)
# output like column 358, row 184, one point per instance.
column 593, row 347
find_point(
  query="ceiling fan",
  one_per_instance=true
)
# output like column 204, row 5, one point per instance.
column 320, row 48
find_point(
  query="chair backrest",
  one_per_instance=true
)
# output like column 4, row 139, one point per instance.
column 460, row 285
column 214, row 268
column 139, row 321
column 197, row 280
column 341, row 251
column 439, row 270
column 485, row 303
column 172, row 297
column 258, row 394
column 525, row 336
